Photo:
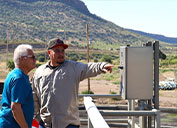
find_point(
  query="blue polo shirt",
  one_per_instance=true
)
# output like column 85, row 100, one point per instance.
column 17, row 89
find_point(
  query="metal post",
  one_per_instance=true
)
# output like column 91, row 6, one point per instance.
column 149, row 118
column 156, row 74
column 142, row 121
column 88, row 56
column 131, row 107
column 156, row 77
column 133, row 118
column 157, row 118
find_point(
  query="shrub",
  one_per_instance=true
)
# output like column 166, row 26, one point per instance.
column 116, row 82
column 174, row 61
column 41, row 58
column 112, row 92
column 107, row 58
column 38, row 64
column 10, row 65
column 86, row 92
column 95, row 60
column 74, row 58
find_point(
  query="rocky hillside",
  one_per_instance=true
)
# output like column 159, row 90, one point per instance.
column 40, row 20
column 77, row 4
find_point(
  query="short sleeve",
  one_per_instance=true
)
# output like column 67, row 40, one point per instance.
column 19, row 91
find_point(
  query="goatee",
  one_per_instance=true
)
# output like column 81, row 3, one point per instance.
column 60, row 62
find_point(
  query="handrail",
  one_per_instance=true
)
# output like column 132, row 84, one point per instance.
column 130, row 113
column 94, row 115
column 100, row 95
column 97, row 120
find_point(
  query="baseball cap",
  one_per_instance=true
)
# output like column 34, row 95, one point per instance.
column 56, row 42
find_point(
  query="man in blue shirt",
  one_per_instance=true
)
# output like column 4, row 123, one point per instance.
column 17, row 107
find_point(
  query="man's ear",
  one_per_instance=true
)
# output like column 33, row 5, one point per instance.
column 21, row 59
column 49, row 52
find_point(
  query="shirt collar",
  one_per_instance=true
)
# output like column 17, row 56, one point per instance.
column 48, row 64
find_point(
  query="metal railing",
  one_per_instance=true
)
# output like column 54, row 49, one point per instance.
column 95, row 119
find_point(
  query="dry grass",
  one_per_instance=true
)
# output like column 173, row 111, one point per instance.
column 3, row 71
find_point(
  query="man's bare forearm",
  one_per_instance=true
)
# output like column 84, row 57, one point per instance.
column 19, row 115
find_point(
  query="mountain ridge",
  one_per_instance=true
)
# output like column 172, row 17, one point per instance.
column 77, row 4
column 160, row 37
column 41, row 20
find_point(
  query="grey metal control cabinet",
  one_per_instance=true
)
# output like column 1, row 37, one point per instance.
column 136, row 72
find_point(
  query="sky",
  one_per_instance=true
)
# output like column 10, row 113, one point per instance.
column 151, row 16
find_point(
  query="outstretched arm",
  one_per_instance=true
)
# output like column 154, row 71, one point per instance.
column 92, row 69
column 107, row 68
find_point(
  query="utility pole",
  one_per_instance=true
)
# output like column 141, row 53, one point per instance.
column 13, row 40
column 65, row 34
column 88, row 56
column 45, row 47
column 45, row 51
column 7, row 48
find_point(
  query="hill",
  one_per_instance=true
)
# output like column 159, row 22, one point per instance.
column 41, row 20
column 157, row 36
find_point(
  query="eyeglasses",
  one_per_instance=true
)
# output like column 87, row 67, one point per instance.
column 31, row 56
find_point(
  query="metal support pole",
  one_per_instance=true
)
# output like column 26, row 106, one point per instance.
column 131, row 107
column 156, row 74
column 142, row 121
column 133, row 118
column 149, row 118
column 156, row 79
column 157, row 118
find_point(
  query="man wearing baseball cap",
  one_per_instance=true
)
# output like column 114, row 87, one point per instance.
column 56, row 84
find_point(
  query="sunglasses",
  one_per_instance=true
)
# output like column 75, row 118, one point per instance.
column 31, row 56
